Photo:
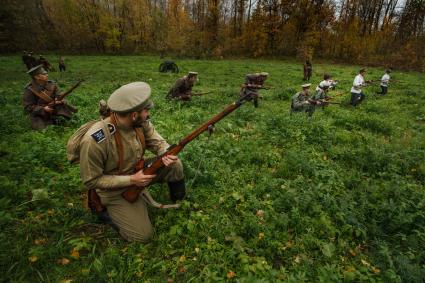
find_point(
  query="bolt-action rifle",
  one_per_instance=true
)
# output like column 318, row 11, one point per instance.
column 132, row 192
column 60, row 99
column 320, row 102
column 200, row 93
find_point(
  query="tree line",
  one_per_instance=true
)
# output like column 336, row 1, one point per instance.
column 382, row 32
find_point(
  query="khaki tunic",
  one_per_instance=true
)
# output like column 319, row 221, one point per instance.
column 297, row 104
column 99, row 170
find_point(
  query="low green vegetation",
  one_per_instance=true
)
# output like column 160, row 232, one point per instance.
column 271, row 197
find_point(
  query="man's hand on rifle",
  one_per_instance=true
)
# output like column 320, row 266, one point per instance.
column 141, row 180
column 169, row 159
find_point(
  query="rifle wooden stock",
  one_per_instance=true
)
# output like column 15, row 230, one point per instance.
column 132, row 193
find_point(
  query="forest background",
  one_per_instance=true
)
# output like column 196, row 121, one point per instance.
column 371, row 32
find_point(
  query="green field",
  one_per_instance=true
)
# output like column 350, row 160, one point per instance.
column 342, row 193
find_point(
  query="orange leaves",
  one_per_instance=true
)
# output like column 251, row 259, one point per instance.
column 231, row 274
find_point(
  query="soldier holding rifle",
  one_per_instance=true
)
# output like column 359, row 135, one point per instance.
column 43, row 101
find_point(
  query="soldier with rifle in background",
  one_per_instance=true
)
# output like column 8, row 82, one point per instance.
column 182, row 89
column 385, row 80
column 300, row 101
column 43, row 101
column 357, row 95
column 253, row 83
column 43, row 61
column 308, row 70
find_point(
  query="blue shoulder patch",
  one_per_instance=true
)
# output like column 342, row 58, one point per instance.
column 98, row 136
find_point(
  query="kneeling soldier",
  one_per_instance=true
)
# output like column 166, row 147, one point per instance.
column 110, row 150
column 182, row 88
column 42, row 100
column 301, row 101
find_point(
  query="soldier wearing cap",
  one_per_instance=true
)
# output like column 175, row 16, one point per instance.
column 110, row 150
column 301, row 101
column 41, row 100
column 182, row 88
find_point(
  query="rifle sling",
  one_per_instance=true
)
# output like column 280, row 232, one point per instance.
column 42, row 95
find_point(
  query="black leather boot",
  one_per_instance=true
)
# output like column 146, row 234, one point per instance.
column 177, row 190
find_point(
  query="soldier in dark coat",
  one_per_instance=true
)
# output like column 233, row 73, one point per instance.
column 25, row 59
column 182, row 88
column 41, row 100
column 32, row 62
column 308, row 70
column 62, row 66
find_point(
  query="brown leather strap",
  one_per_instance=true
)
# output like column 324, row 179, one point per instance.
column 118, row 141
column 141, row 138
column 42, row 95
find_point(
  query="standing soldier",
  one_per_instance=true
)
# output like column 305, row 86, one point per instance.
column 41, row 100
column 182, row 88
column 385, row 81
column 308, row 70
column 109, row 151
column 359, row 82
column 301, row 101
column 62, row 66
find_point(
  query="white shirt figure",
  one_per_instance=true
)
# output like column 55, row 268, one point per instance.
column 385, row 80
column 358, row 83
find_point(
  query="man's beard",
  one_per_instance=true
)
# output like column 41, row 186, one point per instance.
column 139, row 121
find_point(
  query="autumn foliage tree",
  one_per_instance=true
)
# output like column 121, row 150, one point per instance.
column 384, row 32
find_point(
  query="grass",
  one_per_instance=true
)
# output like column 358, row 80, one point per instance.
column 342, row 193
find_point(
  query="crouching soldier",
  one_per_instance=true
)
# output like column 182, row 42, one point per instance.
column 301, row 101
column 182, row 89
column 42, row 100
column 109, row 152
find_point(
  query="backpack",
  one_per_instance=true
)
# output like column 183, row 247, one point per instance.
column 73, row 145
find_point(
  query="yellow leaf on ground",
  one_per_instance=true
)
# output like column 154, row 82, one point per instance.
column 376, row 270
column 365, row 262
column 75, row 254
column 66, row 281
column 40, row 242
column 182, row 258
column 63, row 261
column 231, row 274
column 33, row 258
column 261, row 236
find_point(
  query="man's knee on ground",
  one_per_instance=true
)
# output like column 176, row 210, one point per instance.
column 142, row 233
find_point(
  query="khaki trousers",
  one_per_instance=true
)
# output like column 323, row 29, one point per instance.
column 132, row 219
